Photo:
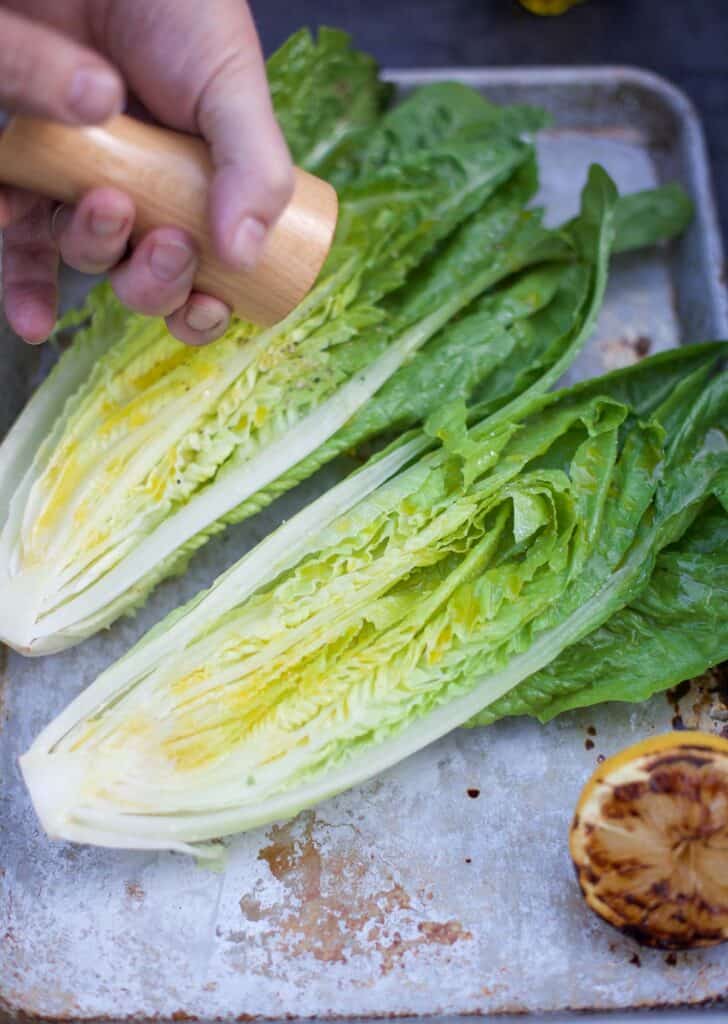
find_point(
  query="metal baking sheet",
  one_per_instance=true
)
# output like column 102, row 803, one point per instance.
column 442, row 888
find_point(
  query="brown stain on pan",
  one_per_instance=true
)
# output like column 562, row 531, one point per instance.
column 338, row 905
column 626, row 350
column 10, row 1013
column 512, row 1009
column 134, row 892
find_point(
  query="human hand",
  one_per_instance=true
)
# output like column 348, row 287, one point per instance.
column 194, row 67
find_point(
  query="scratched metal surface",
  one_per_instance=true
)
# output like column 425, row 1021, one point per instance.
column 444, row 886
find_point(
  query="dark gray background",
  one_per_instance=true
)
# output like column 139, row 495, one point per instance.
column 684, row 40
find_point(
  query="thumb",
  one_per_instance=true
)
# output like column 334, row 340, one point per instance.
column 253, row 180
column 46, row 74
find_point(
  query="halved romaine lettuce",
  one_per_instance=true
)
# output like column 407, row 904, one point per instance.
column 136, row 450
column 422, row 589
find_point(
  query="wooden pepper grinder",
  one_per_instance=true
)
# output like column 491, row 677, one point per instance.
column 167, row 174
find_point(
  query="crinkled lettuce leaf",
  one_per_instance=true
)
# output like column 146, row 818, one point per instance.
column 676, row 629
column 441, row 111
column 327, row 97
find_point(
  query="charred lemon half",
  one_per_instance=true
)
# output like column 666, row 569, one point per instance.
column 649, row 840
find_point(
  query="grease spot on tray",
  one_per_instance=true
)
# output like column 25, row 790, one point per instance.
column 626, row 350
column 335, row 905
column 134, row 892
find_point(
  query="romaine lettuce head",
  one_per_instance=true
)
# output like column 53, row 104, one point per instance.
column 419, row 591
column 136, row 450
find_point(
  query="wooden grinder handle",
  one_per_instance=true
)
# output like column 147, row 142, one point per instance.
column 167, row 174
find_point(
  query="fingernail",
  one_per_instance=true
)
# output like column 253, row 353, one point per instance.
column 201, row 318
column 94, row 94
column 105, row 224
column 169, row 260
column 248, row 241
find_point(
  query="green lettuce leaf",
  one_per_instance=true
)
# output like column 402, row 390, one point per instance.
column 443, row 111
column 522, row 335
column 326, row 96
column 654, row 215
column 677, row 628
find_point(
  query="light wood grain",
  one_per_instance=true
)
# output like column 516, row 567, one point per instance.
column 167, row 174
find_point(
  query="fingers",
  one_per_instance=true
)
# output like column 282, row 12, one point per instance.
column 44, row 73
column 14, row 204
column 254, row 175
column 201, row 320
column 93, row 236
column 199, row 67
column 30, row 268
column 157, row 278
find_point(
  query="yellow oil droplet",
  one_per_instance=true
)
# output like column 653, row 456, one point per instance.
column 441, row 645
column 191, row 753
column 143, row 381
column 187, row 684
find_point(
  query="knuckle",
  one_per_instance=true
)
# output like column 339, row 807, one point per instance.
column 145, row 297
column 214, row 98
column 87, row 263
column 89, row 257
column 280, row 182
column 30, row 222
column 235, row 66
column 18, row 71
column 28, row 261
